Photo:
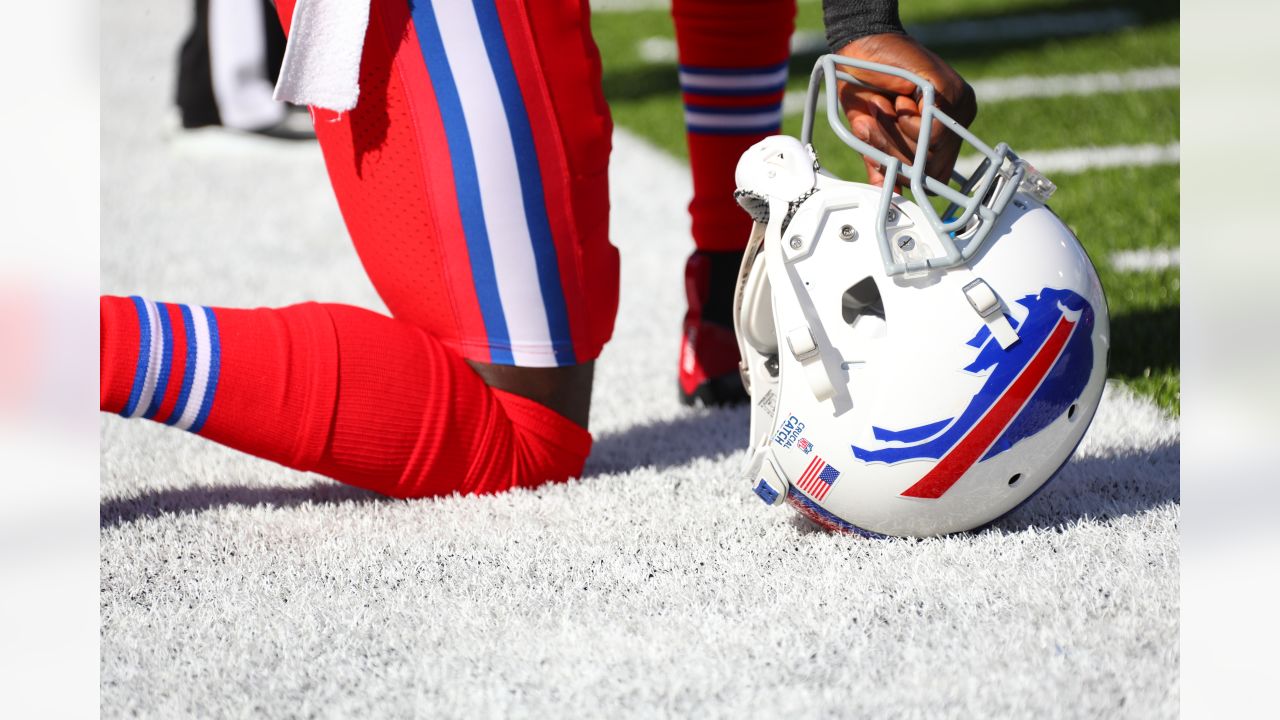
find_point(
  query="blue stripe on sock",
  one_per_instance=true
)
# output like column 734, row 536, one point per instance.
column 759, row 70
column 215, row 363
column 466, row 183
column 535, row 208
column 706, row 130
column 144, row 356
column 166, row 361
column 733, row 92
column 189, row 370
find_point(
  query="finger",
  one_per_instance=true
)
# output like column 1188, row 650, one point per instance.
column 875, row 131
column 875, row 176
column 943, row 159
column 865, row 100
column 907, row 122
column 890, row 84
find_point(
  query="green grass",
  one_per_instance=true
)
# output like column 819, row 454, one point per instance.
column 1036, row 124
column 1110, row 210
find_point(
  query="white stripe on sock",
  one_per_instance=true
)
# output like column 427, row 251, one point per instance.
column 693, row 81
column 200, row 379
column 704, row 119
column 152, row 373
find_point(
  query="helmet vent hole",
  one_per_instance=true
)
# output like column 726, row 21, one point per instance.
column 1013, row 481
column 1071, row 412
column 861, row 300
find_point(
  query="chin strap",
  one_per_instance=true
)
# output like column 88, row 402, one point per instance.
column 986, row 303
column 801, row 342
column 767, row 482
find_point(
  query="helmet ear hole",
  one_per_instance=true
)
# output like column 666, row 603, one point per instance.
column 862, row 299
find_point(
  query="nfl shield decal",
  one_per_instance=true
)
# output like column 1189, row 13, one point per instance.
column 1027, row 387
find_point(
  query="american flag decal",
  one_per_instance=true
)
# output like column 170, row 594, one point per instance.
column 818, row 478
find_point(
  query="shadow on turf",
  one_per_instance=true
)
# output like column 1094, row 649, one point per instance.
column 1094, row 488
column 1098, row 488
column 178, row 501
column 709, row 433
column 1145, row 340
column 668, row 443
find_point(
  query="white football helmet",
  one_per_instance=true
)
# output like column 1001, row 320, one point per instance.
column 911, row 373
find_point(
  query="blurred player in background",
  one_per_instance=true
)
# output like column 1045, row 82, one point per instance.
column 472, row 176
column 228, row 66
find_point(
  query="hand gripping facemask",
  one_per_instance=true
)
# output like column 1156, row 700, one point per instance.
column 912, row 373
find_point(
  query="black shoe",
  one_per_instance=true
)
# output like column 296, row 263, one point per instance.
column 295, row 125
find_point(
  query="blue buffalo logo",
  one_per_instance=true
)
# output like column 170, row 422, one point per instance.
column 1027, row 387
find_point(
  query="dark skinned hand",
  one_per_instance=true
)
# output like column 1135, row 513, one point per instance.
column 889, row 119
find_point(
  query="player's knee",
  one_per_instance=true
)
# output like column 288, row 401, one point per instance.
column 544, row 446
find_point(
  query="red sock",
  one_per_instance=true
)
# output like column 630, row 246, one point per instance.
column 360, row 397
column 733, row 72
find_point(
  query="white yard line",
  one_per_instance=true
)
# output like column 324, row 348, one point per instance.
column 1075, row 160
column 610, row 6
column 1031, row 86
column 956, row 32
column 1021, row 87
column 1146, row 259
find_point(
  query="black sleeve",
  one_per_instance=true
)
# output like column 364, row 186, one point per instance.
column 848, row 20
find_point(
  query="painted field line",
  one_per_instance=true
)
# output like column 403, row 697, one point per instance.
column 1075, row 160
column 1031, row 86
column 1146, row 259
column 954, row 32
column 1021, row 87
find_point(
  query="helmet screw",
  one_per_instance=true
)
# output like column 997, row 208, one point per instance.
column 906, row 242
column 796, row 242
column 847, row 232
column 892, row 215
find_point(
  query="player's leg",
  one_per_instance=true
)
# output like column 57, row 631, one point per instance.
column 346, row 392
column 393, row 405
column 733, row 69
column 472, row 176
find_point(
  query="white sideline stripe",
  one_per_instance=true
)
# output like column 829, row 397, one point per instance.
column 1045, row 86
column 958, row 32
column 1031, row 86
column 608, row 6
column 1075, row 160
column 1146, row 259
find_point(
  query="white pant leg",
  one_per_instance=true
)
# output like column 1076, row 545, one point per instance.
column 237, row 57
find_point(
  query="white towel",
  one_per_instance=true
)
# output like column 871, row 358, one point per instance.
column 322, row 58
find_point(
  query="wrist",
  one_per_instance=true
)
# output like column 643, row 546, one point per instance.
column 850, row 20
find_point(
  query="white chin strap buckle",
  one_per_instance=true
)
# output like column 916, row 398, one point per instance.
column 766, row 482
column 987, row 304
column 805, row 350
